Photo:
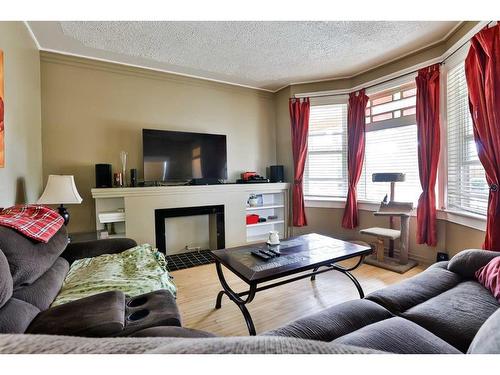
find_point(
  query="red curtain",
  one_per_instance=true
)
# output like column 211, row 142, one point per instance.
column 428, row 135
column 482, row 69
column 355, row 154
column 299, row 119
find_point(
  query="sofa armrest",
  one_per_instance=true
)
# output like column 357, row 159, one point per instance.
column 99, row 315
column 90, row 249
column 467, row 262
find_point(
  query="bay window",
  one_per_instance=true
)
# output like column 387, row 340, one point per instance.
column 391, row 146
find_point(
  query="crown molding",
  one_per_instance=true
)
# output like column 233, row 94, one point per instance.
column 55, row 57
column 441, row 42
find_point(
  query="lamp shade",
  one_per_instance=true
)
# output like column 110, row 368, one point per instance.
column 60, row 190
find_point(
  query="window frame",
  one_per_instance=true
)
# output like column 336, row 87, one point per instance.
column 320, row 101
column 390, row 88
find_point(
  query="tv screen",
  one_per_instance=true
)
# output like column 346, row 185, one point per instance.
column 181, row 156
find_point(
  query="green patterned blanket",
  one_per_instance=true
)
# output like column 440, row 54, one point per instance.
column 139, row 270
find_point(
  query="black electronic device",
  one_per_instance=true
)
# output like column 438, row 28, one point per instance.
column 268, row 253
column 253, row 180
column 103, row 176
column 133, row 177
column 206, row 181
column 260, row 255
column 171, row 156
column 276, row 173
column 442, row 257
column 274, row 249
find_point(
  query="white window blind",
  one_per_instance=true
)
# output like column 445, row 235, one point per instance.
column 467, row 187
column 325, row 173
column 391, row 150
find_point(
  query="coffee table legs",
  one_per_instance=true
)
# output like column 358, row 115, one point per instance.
column 346, row 271
column 233, row 296
column 240, row 302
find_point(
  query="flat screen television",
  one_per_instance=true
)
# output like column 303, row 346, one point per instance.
column 171, row 156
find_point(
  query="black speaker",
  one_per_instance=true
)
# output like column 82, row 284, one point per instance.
column 133, row 177
column 276, row 173
column 103, row 176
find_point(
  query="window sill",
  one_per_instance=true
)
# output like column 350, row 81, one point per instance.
column 458, row 217
column 325, row 202
column 464, row 218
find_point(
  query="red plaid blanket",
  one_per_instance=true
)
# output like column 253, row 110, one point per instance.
column 37, row 222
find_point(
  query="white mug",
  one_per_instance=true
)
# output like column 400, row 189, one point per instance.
column 274, row 238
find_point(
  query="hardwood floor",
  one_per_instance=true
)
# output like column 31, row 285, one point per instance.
column 197, row 288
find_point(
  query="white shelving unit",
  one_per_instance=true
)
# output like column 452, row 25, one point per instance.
column 110, row 213
column 270, row 204
column 269, row 222
column 257, row 208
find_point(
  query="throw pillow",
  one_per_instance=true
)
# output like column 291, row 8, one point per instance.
column 489, row 277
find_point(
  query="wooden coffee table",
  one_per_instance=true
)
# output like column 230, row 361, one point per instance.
column 303, row 254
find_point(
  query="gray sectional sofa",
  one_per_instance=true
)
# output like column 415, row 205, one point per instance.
column 442, row 310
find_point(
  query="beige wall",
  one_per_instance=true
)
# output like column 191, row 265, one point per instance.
column 451, row 237
column 459, row 237
column 21, row 179
column 93, row 110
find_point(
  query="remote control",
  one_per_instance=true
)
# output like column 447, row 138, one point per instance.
column 268, row 253
column 260, row 255
column 274, row 251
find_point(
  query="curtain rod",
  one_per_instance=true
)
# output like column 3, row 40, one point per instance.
column 405, row 74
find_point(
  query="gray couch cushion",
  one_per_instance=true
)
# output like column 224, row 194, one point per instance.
column 457, row 314
column 172, row 331
column 26, row 344
column 487, row 339
column 443, row 265
column 397, row 335
column 334, row 321
column 467, row 262
column 28, row 260
column 5, row 280
column 415, row 290
column 16, row 315
column 44, row 290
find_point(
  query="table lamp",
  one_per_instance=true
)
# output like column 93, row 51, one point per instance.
column 60, row 190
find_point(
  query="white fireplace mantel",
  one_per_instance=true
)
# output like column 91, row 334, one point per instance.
column 139, row 205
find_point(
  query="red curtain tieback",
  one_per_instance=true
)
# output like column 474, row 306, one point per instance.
column 494, row 188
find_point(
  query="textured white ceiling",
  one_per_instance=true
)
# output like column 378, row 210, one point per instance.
column 266, row 55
